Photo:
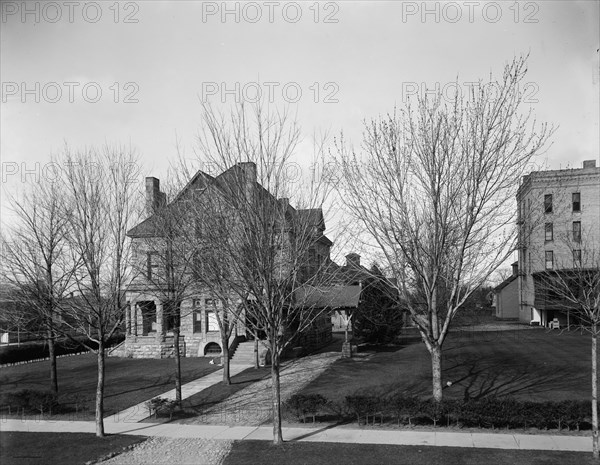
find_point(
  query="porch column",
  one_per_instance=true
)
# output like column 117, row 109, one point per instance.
column 136, row 313
column 128, row 320
column 160, row 334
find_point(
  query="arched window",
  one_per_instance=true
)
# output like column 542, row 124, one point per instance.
column 212, row 348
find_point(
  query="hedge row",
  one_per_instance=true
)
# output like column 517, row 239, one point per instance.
column 488, row 412
column 29, row 351
column 31, row 401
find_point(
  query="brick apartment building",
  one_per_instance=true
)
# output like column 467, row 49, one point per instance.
column 559, row 223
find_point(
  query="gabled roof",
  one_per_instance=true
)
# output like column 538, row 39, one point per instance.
column 150, row 227
column 504, row 283
column 331, row 297
column 347, row 274
column 227, row 182
column 312, row 216
column 200, row 181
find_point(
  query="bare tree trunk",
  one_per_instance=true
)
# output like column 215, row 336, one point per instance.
column 226, row 375
column 595, row 450
column 177, row 366
column 100, row 392
column 436, row 369
column 256, row 358
column 52, row 355
column 276, row 398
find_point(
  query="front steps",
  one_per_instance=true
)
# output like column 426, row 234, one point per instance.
column 244, row 354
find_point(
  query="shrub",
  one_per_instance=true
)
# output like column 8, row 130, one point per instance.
column 437, row 411
column 487, row 412
column 405, row 407
column 377, row 320
column 302, row 405
column 31, row 400
column 577, row 412
column 161, row 405
column 365, row 406
column 338, row 408
column 43, row 401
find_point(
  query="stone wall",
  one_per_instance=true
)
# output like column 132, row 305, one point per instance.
column 150, row 348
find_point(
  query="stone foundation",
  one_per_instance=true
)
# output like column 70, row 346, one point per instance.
column 149, row 348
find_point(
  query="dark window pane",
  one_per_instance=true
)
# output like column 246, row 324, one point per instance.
column 197, row 321
column 576, row 202
column 548, row 203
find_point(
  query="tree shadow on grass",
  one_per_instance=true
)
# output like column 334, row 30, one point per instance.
column 476, row 376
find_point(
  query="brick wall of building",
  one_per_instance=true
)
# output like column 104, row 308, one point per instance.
column 542, row 231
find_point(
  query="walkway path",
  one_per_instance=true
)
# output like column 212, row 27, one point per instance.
column 252, row 405
column 330, row 433
column 140, row 411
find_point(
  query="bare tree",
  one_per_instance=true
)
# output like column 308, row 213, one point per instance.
column 573, row 286
column 99, row 199
column 37, row 263
column 434, row 189
column 268, row 247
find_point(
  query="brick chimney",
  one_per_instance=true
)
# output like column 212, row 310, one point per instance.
column 154, row 197
column 249, row 169
column 353, row 260
column 589, row 164
column 515, row 268
column 283, row 202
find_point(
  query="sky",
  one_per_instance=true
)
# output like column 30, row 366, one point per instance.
column 135, row 73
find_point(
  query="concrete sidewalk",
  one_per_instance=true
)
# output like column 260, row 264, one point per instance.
column 138, row 412
column 319, row 434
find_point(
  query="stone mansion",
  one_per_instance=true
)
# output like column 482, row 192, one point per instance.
column 149, row 328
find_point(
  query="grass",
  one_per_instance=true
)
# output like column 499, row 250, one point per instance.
column 61, row 448
column 526, row 364
column 128, row 381
column 318, row 453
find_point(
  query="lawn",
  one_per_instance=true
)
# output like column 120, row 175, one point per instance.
column 534, row 364
column 128, row 381
column 60, row 448
column 318, row 453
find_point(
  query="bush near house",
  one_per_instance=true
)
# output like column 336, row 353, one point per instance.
column 487, row 412
column 379, row 317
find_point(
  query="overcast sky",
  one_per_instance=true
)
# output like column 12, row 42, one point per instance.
column 154, row 61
